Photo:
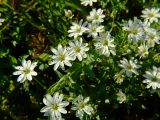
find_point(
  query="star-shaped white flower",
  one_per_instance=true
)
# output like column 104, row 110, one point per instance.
column 87, row 2
column 96, row 16
column 94, row 29
column 54, row 106
column 129, row 67
column 135, row 30
column 60, row 58
column 151, row 14
column 152, row 37
column 104, row 43
column 152, row 78
column 81, row 106
column 77, row 30
column 78, row 49
column 26, row 71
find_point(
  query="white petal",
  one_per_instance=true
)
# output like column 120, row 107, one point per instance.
column 79, row 57
column 86, row 99
column 49, row 98
column 58, row 115
column 62, row 110
column 33, row 65
column 21, row 78
column 24, row 63
column 64, row 103
column 56, row 66
column 46, row 102
column 29, row 77
column 28, row 64
column 60, row 98
column 19, row 68
column 33, row 73
column 45, row 109
column 88, row 110
column 54, row 51
column 55, row 97
column 17, row 72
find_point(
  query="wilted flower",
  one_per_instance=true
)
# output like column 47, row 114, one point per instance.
column 77, row 30
column 129, row 67
column 105, row 44
column 121, row 97
column 54, row 106
column 151, row 15
column 81, row 106
column 60, row 58
column 152, row 78
column 96, row 16
column 68, row 13
column 87, row 2
column 78, row 49
column 26, row 71
column 143, row 51
column 1, row 21
column 119, row 77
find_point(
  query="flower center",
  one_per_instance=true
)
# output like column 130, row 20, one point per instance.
column 93, row 29
column 151, row 36
column 96, row 17
column 134, row 31
column 61, row 58
column 154, row 79
column 55, row 106
column 151, row 14
column 77, row 49
column 129, row 67
column 81, row 105
column 26, row 71
column 105, row 42
column 78, row 30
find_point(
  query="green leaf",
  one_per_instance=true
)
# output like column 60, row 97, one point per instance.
column 87, row 69
column 44, row 57
column 13, row 60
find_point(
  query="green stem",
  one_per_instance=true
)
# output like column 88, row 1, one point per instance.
column 44, row 87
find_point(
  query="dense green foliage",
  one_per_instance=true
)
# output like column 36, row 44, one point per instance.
column 29, row 30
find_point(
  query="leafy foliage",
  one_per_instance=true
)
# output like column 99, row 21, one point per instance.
column 32, row 27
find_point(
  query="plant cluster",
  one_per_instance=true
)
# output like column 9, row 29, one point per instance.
column 86, row 59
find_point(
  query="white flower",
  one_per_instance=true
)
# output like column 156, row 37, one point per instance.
column 68, row 13
column 54, row 106
column 152, row 37
column 78, row 49
column 77, row 30
column 119, row 77
column 146, row 25
column 60, row 58
column 81, row 106
column 26, row 71
column 87, row 2
column 152, row 78
column 105, row 44
column 151, row 15
column 143, row 51
column 96, row 16
column 94, row 29
column 121, row 97
column 1, row 21
column 134, row 29
column 129, row 67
